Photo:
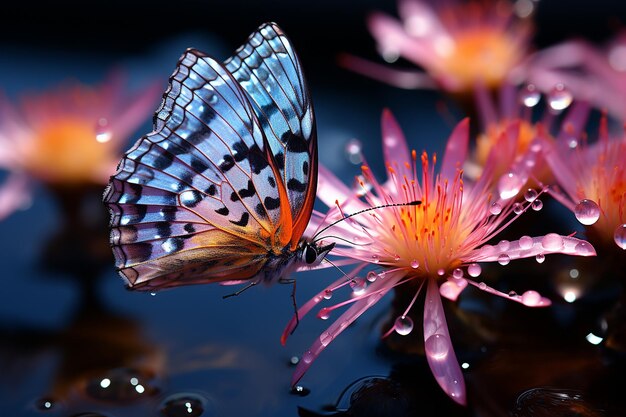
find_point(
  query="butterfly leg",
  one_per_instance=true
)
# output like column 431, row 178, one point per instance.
column 293, row 299
column 250, row 285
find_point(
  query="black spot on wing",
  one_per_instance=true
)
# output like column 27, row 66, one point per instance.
column 212, row 190
column 228, row 163
column 141, row 252
column 280, row 160
column 271, row 203
column 169, row 213
column 240, row 151
column 189, row 228
column 174, row 244
column 248, row 192
column 163, row 161
column 295, row 185
column 133, row 192
column 257, row 160
column 294, row 143
column 223, row 211
column 234, row 196
column 164, row 229
column 199, row 165
column 260, row 210
column 305, row 167
column 243, row 221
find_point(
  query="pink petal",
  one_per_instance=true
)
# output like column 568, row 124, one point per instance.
column 421, row 20
column 452, row 288
column 407, row 79
column 374, row 293
column 439, row 349
column 456, row 150
column 395, row 149
column 331, row 189
column 14, row 194
column 529, row 298
column 137, row 109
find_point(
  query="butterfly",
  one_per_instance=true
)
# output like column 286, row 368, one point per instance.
column 223, row 188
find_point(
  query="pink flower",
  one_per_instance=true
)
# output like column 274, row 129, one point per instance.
column 592, row 178
column 435, row 244
column 595, row 75
column 459, row 45
column 69, row 137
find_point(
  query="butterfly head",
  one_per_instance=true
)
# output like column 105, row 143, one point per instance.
column 312, row 254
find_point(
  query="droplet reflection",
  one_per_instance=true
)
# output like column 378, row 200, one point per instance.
column 184, row 405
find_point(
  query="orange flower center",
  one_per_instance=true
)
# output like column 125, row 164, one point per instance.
column 67, row 151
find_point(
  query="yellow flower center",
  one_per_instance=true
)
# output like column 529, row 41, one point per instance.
column 67, row 151
column 483, row 54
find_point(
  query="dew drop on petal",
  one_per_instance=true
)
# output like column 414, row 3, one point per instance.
column 300, row 391
column 325, row 338
column 324, row 313
column 371, row 276
column 183, row 404
column 509, row 185
column 540, row 258
column 441, row 272
column 482, row 286
column 620, row 236
column 375, row 258
column 518, row 208
column 587, row 212
column 437, row 346
column 504, row 259
column 403, row 325
column 526, row 242
column 512, row 294
column 559, row 98
column 457, row 273
column 530, row 96
column 584, row 248
column 552, row 242
column 531, row 298
column 537, row 205
column 307, row 357
column 495, row 209
column 415, row 264
column 504, row 245
column 530, row 195
column 396, row 257
column 358, row 286
column 474, row 270
column 328, row 294
column 353, row 151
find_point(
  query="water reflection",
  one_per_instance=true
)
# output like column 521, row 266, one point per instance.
column 553, row 402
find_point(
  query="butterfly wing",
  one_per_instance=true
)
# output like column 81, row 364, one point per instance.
column 198, row 199
column 269, row 71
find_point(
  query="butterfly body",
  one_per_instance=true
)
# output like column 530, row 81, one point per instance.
column 223, row 188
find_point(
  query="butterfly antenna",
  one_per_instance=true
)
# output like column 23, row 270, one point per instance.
column 250, row 285
column 336, row 267
column 346, row 217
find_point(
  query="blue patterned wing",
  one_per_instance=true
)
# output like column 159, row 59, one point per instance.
column 269, row 71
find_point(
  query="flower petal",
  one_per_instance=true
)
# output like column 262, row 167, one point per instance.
column 374, row 293
column 456, row 150
column 438, row 347
column 395, row 148
column 14, row 194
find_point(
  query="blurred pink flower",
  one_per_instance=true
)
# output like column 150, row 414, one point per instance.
column 592, row 178
column 69, row 137
column 592, row 74
column 435, row 244
column 461, row 46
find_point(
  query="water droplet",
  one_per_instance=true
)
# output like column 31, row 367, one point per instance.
column 504, row 245
column 294, row 360
column 474, row 270
column 509, row 185
column 437, row 346
column 531, row 298
column 102, row 130
column 457, row 273
column 512, row 294
column 45, row 404
column 537, row 205
column 584, row 248
column 353, row 151
column 328, row 294
column 587, row 212
column 153, row 294
column 526, row 242
column 403, row 325
column 300, row 391
column 540, row 258
column 518, row 208
column 504, row 259
column 121, row 385
column 324, row 313
column 415, row 264
column 559, row 98
column 307, row 357
column 396, row 257
column 183, row 405
column 441, row 272
column 325, row 338
column 620, row 236
column 530, row 195
column 572, row 143
column 530, row 96
column 552, row 242
column 495, row 209
column 358, row 286
column 482, row 286
column 375, row 258
column 372, row 276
